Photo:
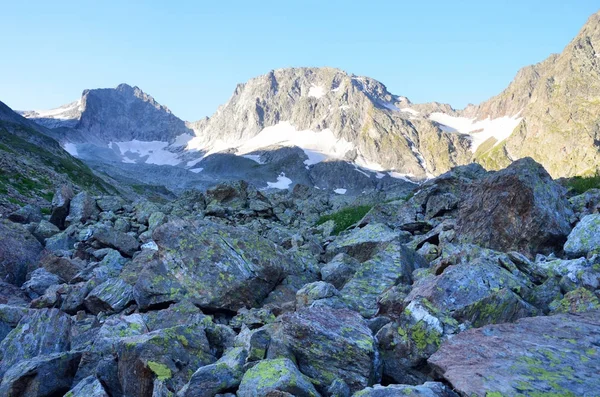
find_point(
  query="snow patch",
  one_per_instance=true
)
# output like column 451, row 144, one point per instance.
column 61, row 113
column 390, row 106
column 182, row 140
column 192, row 163
column 397, row 175
column 197, row 170
column 411, row 111
column 71, row 148
column 154, row 150
column 254, row 157
column 283, row 182
column 480, row 131
column 379, row 175
column 340, row 191
column 316, row 92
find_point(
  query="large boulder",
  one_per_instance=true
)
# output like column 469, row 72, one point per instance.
column 534, row 356
column 109, row 237
column 331, row 343
column 216, row 267
column 275, row 375
column 88, row 387
column 83, row 207
column 40, row 332
column 18, row 250
column 111, row 296
column 428, row 389
column 60, row 205
column 519, row 208
column 361, row 243
column 585, row 237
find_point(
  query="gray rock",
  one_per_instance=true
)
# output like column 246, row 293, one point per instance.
column 110, row 203
column 47, row 375
column 339, row 270
column 585, row 237
column 313, row 292
column 88, row 387
column 18, row 250
column 112, row 296
column 275, row 375
column 534, row 355
column 361, row 243
column 428, row 389
column 83, row 208
column 109, row 237
column 156, row 219
column 45, row 230
column 60, row 205
column 329, row 344
column 39, row 281
column 38, row 333
column 26, row 214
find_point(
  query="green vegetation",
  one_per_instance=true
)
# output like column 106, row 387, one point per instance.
column 345, row 218
column 162, row 371
column 581, row 184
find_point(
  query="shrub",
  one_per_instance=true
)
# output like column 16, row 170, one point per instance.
column 581, row 184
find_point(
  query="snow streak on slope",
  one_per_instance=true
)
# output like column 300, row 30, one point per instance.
column 154, row 152
column 317, row 146
column 481, row 130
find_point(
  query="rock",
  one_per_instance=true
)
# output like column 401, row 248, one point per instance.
column 18, row 250
column 109, row 237
column 519, row 208
column 110, row 203
column 339, row 270
column 122, row 225
column 9, row 318
column 39, row 281
column 252, row 318
column 112, row 296
column 390, row 266
column 216, row 267
column 45, row 230
column 278, row 374
column 88, row 387
column 329, row 344
column 338, row 388
column 586, row 203
column 428, row 389
column 361, row 243
column 156, row 219
column 143, row 210
column 578, row 272
column 12, row 295
column 60, row 205
column 313, row 292
column 532, row 356
column 82, row 208
column 177, row 314
column 48, row 375
column 585, row 237
column 41, row 332
column 225, row 374
column 577, row 301
column 63, row 242
column 26, row 214
column 168, row 355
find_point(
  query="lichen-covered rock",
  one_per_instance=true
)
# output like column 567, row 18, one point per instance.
column 391, row 265
column 39, row 281
column 275, row 375
column 215, row 267
column 225, row 374
column 110, row 203
column 60, row 205
column 519, row 208
column 48, row 375
column 111, row 296
column 26, row 214
column 534, row 356
column 585, row 237
column 427, row 389
column 576, row 301
column 45, row 230
column 169, row 355
column 18, row 250
column 109, row 237
column 329, row 344
column 83, row 207
column 39, row 332
column 339, row 270
column 88, row 387
column 64, row 268
column 313, row 292
column 12, row 295
column 361, row 243
column 579, row 272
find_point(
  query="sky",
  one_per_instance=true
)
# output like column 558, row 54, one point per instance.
column 189, row 54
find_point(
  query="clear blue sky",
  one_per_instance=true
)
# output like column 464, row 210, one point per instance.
column 190, row 54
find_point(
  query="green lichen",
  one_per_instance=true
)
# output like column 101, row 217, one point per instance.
column 162, row 371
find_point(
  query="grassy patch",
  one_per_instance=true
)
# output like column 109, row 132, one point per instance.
column 581, row 184
column 345, row 218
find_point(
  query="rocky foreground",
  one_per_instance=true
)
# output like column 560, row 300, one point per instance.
column 478, row 284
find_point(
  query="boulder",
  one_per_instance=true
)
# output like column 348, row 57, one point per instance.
column 39, row 281
column 48, row 375
column 12, row 295
column 361, row 243
column 112, row 296
column 39, row 332
column 312, row 292
column 109, row 237
column 216, row 267
column 88, row 387
column 60, row 205
column 45, row 230
column 427, row 389
column 329, row 344
column 339, row 270
column 82, row 208
column 110, row 203
column 519, row 208
column 275, row 375
column 26, row 214
column 585, row 237
column 18, row 250
column 534, row 356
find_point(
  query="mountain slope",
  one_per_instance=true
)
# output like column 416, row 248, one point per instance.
column 33, row 165
column 559, row 102
column 349, row 117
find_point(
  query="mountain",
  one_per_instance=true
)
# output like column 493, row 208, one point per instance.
column 558, row 103
column 33, row 165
